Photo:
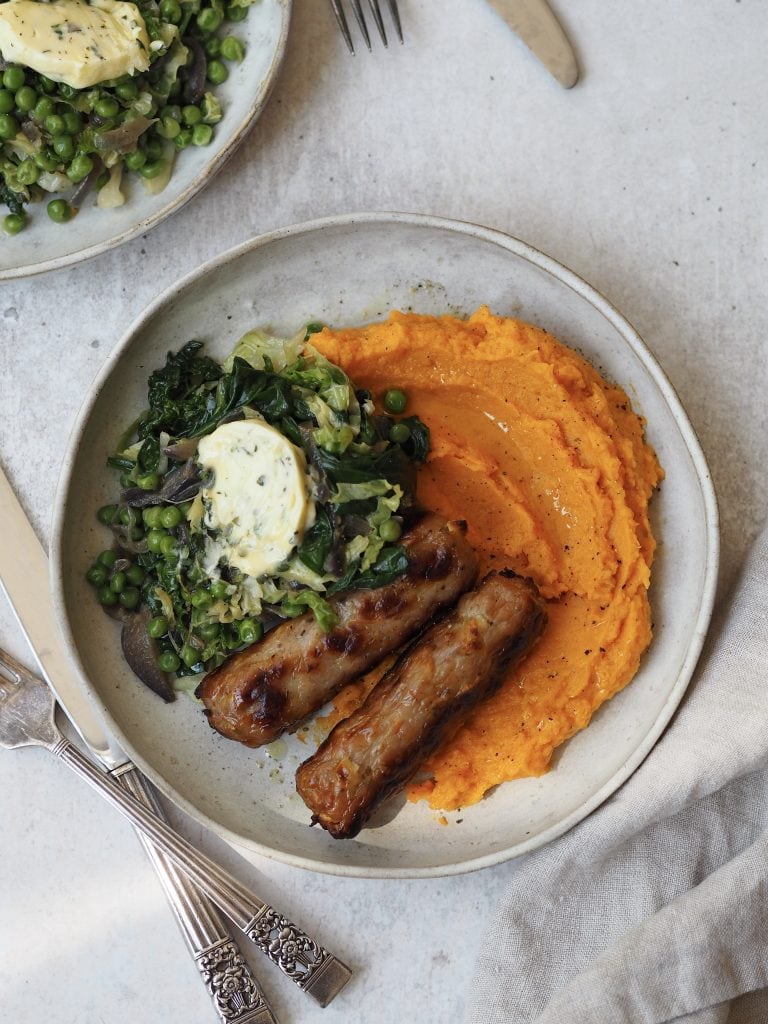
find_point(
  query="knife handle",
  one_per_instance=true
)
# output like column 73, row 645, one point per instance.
column 308, row 964
column 236, row 994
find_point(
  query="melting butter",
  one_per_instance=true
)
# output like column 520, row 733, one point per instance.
column 78, row 43
column 257, row 504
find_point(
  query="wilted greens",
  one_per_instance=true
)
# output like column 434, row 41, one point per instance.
column 361, row 470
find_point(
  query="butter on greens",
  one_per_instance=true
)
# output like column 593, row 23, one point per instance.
column 288, row 489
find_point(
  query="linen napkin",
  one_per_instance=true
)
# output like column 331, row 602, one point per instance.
column 655, row 908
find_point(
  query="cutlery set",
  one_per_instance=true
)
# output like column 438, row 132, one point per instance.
column 197, row 888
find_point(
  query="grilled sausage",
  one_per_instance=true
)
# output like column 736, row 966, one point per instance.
column 420, row 702
column 258, row 693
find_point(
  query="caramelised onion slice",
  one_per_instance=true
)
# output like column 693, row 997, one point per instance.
column 141, row 651
column 181, row 484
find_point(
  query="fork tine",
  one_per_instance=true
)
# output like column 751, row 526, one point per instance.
column 338, row 10
column 396, row 18
column 360, row 17
column 12, row 671
column 376, row 12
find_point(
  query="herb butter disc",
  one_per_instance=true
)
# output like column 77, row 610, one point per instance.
column 80, row 44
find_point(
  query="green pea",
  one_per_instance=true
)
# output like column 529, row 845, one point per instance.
column 107, row 559
column 208, row 20
column 168, row 662
column 189, row 655
column 201, row 599
column 395, row 400
column 67, row 91
column 13, row 78
column 127, row 91
column 80, row 167
column 106, row 514
column 46, row 84
column 168, row 547
column 219, row 590
column 9, row 126
column 73, row 122
column 213, row 47
column 250, row 631
column 202, row 134
column 106, row 106
column 151, row 516
column 63, row 146
column 46, row 161
column 135, row 575
column 232, row 48
column 157, row 627
column 171, row 110
column 26, row 98
column 236, row 13
column 97, row 575
column 118, row 581
column 128, row 516
column 170, row 10
column 390, row 530
column 399, row 433
column 152, row 168
column 168, row 127
column 217, row 72
column 13, row 223
column 183, row 139
column 106, row 595
column 54, row 124
column 27, row 172
column 148, row 481
column 170, row 517
column 135, row 161
column 184, row 508
column 208, row 631
column 136, row 533
column 130, row 598
column 7, row 102
column 154, row 539
column 153, row 148
column 191, row 115
column 43, row 108
column 232, row 640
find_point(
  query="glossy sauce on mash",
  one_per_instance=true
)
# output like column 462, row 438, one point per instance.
column 547, row 463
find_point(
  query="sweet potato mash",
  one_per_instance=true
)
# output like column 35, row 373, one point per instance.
column 547, row 463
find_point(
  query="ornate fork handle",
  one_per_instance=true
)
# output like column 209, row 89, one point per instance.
column 309, row 965
column 236, row 994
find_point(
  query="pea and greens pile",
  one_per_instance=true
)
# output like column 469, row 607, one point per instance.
column 183, row 615
column 56, row 140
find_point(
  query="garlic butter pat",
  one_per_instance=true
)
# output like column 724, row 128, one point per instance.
column 255, row 496
column 75, row 42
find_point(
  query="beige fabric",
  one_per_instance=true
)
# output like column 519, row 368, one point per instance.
column 655, row 908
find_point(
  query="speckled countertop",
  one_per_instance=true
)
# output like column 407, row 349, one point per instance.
column 649, row 179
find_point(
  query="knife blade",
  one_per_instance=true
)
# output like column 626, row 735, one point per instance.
column 534, row 22
column 24, row 579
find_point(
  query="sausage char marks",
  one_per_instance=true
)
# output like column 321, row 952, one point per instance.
column 258, row 693
column 420, row 702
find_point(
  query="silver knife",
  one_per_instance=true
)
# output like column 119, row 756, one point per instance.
column 236, row 994
column 539, row 29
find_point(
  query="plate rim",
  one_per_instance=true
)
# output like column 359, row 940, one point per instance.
column 200, row 182
column 693, row 447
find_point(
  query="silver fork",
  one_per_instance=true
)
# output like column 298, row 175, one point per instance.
column 357, row 10
column 27, row 709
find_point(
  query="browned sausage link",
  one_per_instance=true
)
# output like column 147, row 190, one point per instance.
column 420, row 702
column 258, row 693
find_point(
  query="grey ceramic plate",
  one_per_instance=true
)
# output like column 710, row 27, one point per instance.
column 345, row 271
column 47, row 246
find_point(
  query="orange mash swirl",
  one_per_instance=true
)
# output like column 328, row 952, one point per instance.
column 547, row 463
